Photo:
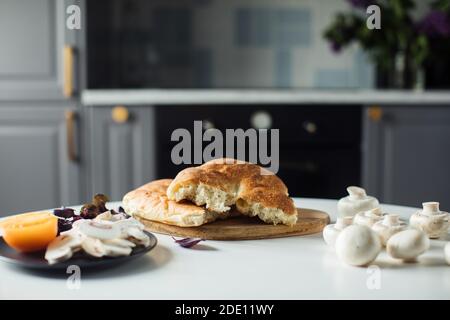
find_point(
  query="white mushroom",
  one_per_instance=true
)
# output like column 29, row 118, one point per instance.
column 116, row 251
column 408, row 244
column 431, row 220
column 103, row 230
column 368, row 218
column 62, row 247
column 107, row 216
column 138, row 236
column 331, row 231
column 125, row 225
column 447, row 252
column 120, row 242
column 120, row 216
column 93, row 247
column 357, row 245
column 357, row 201
column 389, row 226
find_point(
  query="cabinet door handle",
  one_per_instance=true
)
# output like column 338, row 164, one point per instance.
column 70, row 135
column 375, row 113
column 68, row 71
column 120, row 114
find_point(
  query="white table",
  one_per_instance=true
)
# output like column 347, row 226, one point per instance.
column 286, row 268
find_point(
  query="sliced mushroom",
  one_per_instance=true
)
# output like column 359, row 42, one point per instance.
column 121, row 243
column 116, row 251
column 119, row 216
column 125, row 225
column 138, row 236
column 130, row 222
column 107, row 216
column 62, row 248
column 103, row 230
column 93, row 247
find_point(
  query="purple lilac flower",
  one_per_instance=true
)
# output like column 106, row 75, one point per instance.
column 361, row 3
column 435, row 23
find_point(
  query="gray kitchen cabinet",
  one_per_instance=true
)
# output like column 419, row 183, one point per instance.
column 36, row 50
column 407, row 154
column 121, row 152
column 39, row 164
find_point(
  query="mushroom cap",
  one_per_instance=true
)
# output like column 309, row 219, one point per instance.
column 357, row 245
column 62, row 247
column 387, row 227
column 113, row 250
column 120, row 242
column 407, row 244
column 107, row 216
column 357, row 201
column 93, row 247
column 100, row 229
column 435, row 225
column 331, row 231
column 355, row 192
column 369, row 218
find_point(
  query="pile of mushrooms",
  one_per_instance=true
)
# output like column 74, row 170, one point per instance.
column 362, row 230
column 105, row 236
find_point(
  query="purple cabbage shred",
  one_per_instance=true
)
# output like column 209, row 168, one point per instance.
column 187, row 242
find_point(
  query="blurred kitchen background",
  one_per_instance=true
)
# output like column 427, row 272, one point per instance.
column 91, row 110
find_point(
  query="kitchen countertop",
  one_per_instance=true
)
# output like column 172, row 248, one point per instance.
column 261, row 96
column 286, row 268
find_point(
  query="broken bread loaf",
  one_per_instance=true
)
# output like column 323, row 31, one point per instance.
column 150, row 202
column 221, row 183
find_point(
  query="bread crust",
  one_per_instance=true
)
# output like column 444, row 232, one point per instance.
column 246, row 182
column 150, row 202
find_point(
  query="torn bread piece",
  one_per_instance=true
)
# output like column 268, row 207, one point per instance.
column 151, row 202
column 221, row 183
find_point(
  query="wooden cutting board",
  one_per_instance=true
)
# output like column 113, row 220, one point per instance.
column 245, row 228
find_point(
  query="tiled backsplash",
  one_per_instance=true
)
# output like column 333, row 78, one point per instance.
column 266, row 43
column 272, row 27
column 239, row 44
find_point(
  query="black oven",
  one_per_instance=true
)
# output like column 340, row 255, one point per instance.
column 319, row 146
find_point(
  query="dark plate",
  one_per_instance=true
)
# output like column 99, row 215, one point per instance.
column 36, row 260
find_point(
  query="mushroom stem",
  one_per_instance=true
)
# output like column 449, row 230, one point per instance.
column 342, row 222
column 356, row 193
column 375, row 212
column 430, row 207
column 391, row 220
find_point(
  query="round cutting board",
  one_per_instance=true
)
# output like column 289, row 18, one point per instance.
column 245, row 228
